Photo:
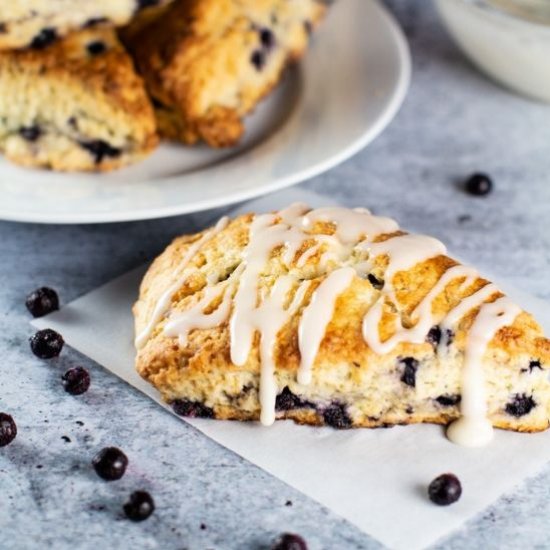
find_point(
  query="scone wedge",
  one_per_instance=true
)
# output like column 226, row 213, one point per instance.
column 335, row 316
column 75, row 105
column 207, row 63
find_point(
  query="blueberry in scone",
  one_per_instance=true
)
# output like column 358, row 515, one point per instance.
column 207, row 63
column 77, row 104
column 38, row 23
column 337, row 317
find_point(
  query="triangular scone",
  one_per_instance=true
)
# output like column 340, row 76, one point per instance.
column 38, row 23
column 335, row 316
column 75, row 105
column 207, row 63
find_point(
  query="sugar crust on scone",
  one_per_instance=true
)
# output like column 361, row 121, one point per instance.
column 351, row 385
column 75, row 105
column 207, row 63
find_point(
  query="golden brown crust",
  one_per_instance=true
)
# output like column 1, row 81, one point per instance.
column 196, row 58
column 347, row 374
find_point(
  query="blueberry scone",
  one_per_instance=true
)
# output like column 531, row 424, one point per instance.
column 76, row 105
column 38, row 23
column 335, row 316
column 207, row 63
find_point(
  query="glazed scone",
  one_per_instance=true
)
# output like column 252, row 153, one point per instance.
column 335, row 316
column 38, row 23
column 76, row 105
column 207, row 63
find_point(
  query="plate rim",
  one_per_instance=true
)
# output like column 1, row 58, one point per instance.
column 395, row 100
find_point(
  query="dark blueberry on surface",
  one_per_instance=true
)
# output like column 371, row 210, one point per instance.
column 449, row 337
column 534, row 365
column 258, row 59
column 8, row 429
column 445, row 489
column 434, row 336
column 479, row 184
column 42, row 301
column 110, row 463
column 94, row 21
column 30, row 133
column 520, row 405
column 140, row 506
column 448, row 400
column 76, row 381
column 375, row 282
column 410, row 366
column 193, row 409
column 267, row 38
column 100, row 149
column 66, row 438
column 286, row 401
column 289, row 541
column 97, row 47
column 336, row 416
column 43, row 39
column 46, row 343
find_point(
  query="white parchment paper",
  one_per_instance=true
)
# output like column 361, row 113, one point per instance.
column 376, row 479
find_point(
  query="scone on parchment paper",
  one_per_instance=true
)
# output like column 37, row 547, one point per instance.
column 383, row 324
column 75, row 105
column 38, row 23
column 207, row 63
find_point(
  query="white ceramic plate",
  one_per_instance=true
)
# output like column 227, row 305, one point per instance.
column 342, row 95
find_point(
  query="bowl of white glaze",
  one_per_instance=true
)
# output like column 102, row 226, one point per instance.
column 507, row 39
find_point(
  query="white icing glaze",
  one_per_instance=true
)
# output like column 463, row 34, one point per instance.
column 163, row 304
column 473, row 428
column 251, row 310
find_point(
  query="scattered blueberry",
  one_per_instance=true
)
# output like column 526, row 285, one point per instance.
column 46, row 343
column 258, row 59
column 445, row 489
column 286, row 401
column 8, row 429
column 335, row 415
column 30, row 133
column 410, row 366
column 449, row 400
column 66, row 438
column 267, row 38
column 521, row 405
column 289, row 541
column 203, row 526
column 96, row 48
column 43, row 39
column 288, row 503
column 140, row 506
column 42, row 301
column 434, row 336
column 375, row 282
column 110, row 463
column 193, row 409
column 100, row 149
column 479, row 184
column 76, row 381
column 534, row 365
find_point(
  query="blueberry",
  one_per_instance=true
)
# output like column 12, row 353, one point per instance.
column 42, row 301
column 534, row 365
column 97, row 47
column 100, row 149
column 30, row 133
column 479, row 184
column 140, row 506
column 193, row 409
column 8, row 429
column 289, row 541
column 434, row 336
column 410, row 366
column 76, row 381
column 335, row 415
column 375, row 282
column 43, row 39
column 445, row 489
column 286, row 401
column 258, row 59
column 267, row 38
column 449, row 400
column 46, row 343
column 110, row 463
column 520, row 405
